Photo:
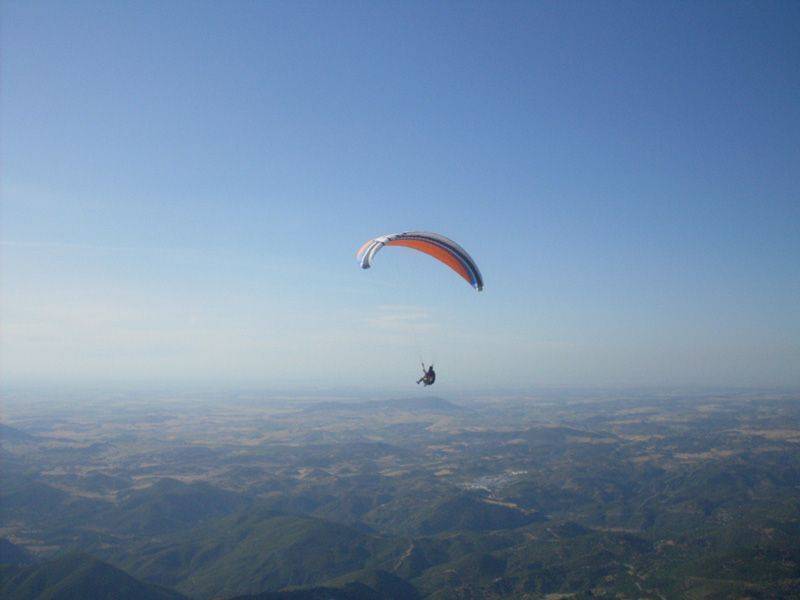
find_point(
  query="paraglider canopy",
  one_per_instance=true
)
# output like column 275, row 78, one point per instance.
column 438, row 246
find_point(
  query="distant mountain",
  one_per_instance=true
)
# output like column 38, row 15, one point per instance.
column 570, row 529
column 14, row 435
column 381, row 582
column 536, row 436
column 100, row 482
column 94, row 482
column 22, row 493
column 75, row 576
column 426, row 403
column 169, row 505
column 26, row 498
column 543, row 564
column 12, row 554
column 466, row 512
column 258, row 550
column 429, row 404
column 366, row 585
column 353, row 591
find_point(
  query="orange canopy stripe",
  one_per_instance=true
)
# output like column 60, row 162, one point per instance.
column 436, row 252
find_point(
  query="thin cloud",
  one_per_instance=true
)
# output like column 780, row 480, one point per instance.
column 398, row 317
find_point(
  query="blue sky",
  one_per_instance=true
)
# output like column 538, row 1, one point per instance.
column 185, row 184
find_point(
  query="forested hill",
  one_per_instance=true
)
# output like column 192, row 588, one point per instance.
column 694, row 496
column 75, row 576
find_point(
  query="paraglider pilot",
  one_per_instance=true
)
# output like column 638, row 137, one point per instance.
column 428, row 377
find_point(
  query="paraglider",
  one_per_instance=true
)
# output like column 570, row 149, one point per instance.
column 439, row 247
column 428, row 376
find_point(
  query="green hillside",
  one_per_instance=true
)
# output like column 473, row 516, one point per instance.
column 255, row 551
column 468, row 512
column 77, row 576
column 12, row 554
column 690, row 498
column 169, row 505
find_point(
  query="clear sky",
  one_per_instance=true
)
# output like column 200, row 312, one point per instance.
column 185, row 184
